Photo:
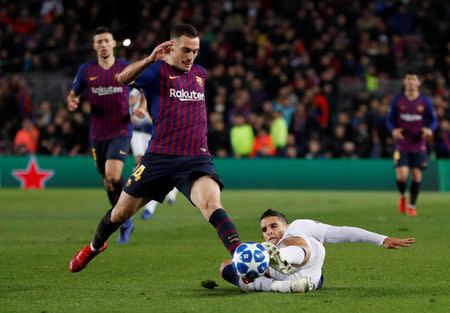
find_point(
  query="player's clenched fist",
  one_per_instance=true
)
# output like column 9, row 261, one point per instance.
column 72, row 103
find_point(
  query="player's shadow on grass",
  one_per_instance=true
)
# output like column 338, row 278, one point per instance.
column 219, row 291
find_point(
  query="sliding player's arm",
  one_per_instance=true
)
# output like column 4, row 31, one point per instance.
column 340, row 234
column 293, row 253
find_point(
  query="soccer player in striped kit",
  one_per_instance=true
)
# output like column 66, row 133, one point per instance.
column 411, row 120
column 177, row 155
column 110, row 129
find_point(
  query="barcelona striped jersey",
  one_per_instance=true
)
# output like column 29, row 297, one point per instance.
column 108, row 98
column 411, row 116
column 176, row 101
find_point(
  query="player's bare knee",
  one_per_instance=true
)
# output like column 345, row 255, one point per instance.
column 120, row 215
column 113, row 177
column 416, row 175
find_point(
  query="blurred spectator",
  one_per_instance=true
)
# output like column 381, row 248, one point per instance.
column 314, row 150
column 263, row 144
column 442, row 140
column 45, row 115
column 48, row 143
column 69, row 140
column 279, row 131
column 27, row 138
column 241, row 137
column 218, row 142
column 335, row 147
column 286, row 103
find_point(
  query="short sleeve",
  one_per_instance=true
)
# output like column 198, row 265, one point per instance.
column 149, row 76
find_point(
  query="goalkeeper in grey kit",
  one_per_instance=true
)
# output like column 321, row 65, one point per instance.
column 297, row 253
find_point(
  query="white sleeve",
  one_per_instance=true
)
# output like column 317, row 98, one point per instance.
column 339, row 234
column 295, row 255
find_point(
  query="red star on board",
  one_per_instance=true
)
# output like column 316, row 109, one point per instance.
column 32, row 177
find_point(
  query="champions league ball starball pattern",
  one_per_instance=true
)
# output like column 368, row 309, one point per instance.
column 250, row 260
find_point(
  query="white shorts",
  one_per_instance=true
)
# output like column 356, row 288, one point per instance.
column 139, row 142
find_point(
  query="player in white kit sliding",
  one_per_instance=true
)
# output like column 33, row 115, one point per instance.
column 142, row 133
column 297, row 253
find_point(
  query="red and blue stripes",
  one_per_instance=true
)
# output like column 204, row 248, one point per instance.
column 179, row 122
column 108, row 99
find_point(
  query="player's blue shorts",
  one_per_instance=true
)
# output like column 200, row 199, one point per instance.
column 157, row 174
column 411, row 159
column 112, row 149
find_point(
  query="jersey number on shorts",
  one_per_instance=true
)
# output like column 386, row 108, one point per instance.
column 138, row 172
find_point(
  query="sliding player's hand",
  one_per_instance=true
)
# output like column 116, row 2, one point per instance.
column 394, row 243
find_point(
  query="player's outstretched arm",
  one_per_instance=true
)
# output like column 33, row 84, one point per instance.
column 72, row 101
column 132, row 71
column 394, row 243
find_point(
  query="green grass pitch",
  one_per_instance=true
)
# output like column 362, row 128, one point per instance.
column 162, row 268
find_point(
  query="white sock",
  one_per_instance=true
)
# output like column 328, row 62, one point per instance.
column 260, row 284
column 150, row 206
column 173, row 194
column 281, row 286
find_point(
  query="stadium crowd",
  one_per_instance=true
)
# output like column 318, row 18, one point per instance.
column 276, row 70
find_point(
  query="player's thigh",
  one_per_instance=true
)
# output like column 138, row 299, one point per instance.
column 205, row 194
column 401, row 162
column 126, row 207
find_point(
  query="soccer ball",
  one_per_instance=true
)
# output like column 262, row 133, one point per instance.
column 250, row 260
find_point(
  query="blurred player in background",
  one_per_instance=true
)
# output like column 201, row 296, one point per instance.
column 297, row 253
column 177, row 155
column 142, row 133
column 411, row 120
column 110, row 128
